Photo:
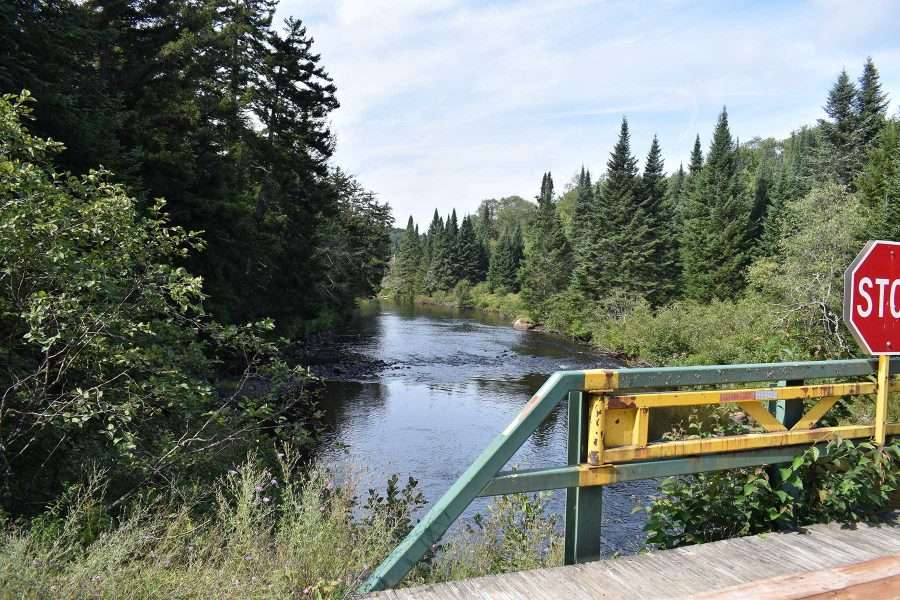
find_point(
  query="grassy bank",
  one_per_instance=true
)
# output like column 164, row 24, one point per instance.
column 254, row 534
column 478, row 297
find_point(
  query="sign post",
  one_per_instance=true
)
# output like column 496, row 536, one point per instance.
column 872, row 313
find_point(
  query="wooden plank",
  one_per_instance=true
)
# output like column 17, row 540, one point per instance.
column 874, row 579
column 745, row 564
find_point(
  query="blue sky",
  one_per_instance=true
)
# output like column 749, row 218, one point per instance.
column 447, row 102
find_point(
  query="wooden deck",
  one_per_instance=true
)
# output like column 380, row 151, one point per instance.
column 824, row 561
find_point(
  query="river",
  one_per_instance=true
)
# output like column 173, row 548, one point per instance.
column 454, row 379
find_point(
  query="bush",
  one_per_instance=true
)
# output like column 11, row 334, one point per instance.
column 108, row 355
column 688, row 332
column 845, row 482
column 516, row 534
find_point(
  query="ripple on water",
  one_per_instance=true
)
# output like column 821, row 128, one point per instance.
column 453, row 383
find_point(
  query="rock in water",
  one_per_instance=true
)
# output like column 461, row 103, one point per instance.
column 523, row 325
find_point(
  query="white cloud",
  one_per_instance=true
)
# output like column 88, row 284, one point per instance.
column 448, row 102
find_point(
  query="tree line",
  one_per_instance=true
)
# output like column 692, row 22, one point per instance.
column 692, row 234
column 223, row 112
column 168, row 199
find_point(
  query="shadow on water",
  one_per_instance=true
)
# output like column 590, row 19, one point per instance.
column 454, row 379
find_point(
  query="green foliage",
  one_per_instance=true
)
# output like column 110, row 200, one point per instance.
column 844, row 482
column 516, row 534
column 502, row 276
column 226, row 115
column 663, row 265
column 716, row 238
column 108, row 354
column 692, row 333
column 623, row 242
column 821, row 233
column 471, row 260
column 462, row 292
column 871, row 103
column 406, row 265
column 256, row 533
column 546, row 266
column 395, row 508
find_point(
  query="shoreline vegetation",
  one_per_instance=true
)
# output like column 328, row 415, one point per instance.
column 155, row 441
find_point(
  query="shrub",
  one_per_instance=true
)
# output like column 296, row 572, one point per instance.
column 845, row 482
column 108, row 355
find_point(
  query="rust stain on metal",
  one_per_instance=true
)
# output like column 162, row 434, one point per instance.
column 620, row 402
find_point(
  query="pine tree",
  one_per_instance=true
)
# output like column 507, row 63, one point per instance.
column 469, row 253
column 716, row 243
column 873, row 182
column 547, row 263
column 440, row 275
column 663, row 267
column 451, row 238
column 842, row 153
column 871, row 104
column 675, row 190
column 406, row 264
column 505, row 260
column 587, row 267
column 625, row 246
column 696, row 163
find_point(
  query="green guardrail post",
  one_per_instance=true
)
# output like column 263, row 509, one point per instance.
column 788, row 412
column 584, row 505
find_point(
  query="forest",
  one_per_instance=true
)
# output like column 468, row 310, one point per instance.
column 749, row 241
column 173, row 220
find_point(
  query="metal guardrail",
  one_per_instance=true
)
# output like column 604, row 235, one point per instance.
column 609, row 414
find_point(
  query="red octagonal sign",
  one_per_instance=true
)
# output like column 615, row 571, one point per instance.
column 872, row 298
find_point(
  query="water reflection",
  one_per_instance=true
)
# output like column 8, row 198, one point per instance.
column 454, row 381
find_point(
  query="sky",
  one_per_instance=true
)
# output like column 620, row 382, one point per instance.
column 447, row 102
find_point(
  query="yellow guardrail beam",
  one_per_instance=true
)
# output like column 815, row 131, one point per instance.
column 698, row 398
column 738, row 443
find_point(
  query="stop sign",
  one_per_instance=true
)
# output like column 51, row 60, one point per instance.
column 872, row 298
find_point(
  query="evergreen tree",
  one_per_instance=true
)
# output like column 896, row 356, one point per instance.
column 547, row 263
column 505, row 260
column 587, row 266
column 625, row 245
column 716, row 244
column 675, row 190
column 485, row 226
column 842, row 135
column 451, row 235
column 663, row 266
column 469, row 253
column 696, row 163
column 407, row 263
column 873, row 182
column 441, row 272
column 871, row 104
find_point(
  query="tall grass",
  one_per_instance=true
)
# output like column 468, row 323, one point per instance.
column 258, row 534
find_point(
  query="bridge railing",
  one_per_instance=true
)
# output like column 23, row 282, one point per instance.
column 609, row 416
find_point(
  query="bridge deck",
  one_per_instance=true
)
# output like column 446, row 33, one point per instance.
column 811, row 564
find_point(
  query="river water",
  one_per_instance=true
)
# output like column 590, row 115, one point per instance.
column 454, row 380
